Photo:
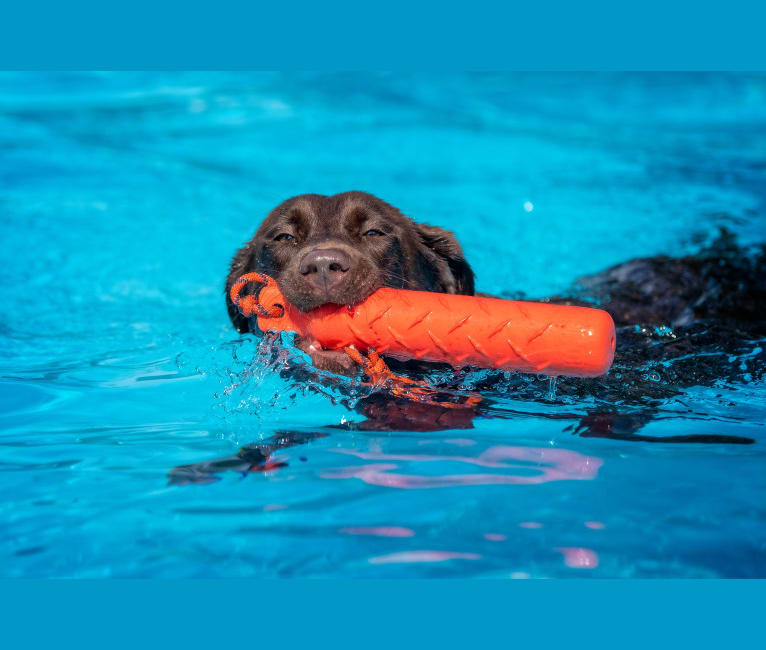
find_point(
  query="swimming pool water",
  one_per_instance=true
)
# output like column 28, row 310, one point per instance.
column 122, row 199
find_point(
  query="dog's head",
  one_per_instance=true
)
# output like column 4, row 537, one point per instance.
column 339, row 249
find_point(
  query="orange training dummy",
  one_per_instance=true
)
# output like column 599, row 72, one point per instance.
column 459, row 330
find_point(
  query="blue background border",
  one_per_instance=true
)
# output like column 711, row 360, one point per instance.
column 366, row 614
column 395, row 35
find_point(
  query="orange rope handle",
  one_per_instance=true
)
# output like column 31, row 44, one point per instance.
column 379, row 373
column 249, row 305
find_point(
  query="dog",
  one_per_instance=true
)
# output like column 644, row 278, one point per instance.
column 684, row 316
column 340, row 249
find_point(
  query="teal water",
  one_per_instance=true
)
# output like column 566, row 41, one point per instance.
column 123, row 197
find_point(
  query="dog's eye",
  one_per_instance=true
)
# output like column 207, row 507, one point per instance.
column 284, row 236
column 374, row 233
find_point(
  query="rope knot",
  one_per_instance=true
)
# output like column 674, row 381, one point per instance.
column 379, row 373
column 249, row 304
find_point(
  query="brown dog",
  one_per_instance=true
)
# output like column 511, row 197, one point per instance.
column 339, row 249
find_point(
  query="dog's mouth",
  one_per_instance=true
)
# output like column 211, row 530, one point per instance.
column 306, row 306
column 306, row 299
column 335, row 304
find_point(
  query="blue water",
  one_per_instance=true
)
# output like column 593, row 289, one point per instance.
column 122, row 199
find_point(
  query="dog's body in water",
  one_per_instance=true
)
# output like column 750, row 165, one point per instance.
column 679, row 320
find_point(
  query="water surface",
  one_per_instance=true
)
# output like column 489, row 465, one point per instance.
column 123, row 197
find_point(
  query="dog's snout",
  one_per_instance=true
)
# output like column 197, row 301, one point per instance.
column 325, row 267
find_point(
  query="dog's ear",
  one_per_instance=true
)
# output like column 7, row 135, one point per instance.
column 242, row 263
column 442, row 250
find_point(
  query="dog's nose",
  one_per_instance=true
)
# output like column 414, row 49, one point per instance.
column 325, row 267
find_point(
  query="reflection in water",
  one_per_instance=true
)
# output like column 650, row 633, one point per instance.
column 533, row 465
column 578, row 558
column 495, row 537
column 407, row 557
column 378, row 531
column 530, row 524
